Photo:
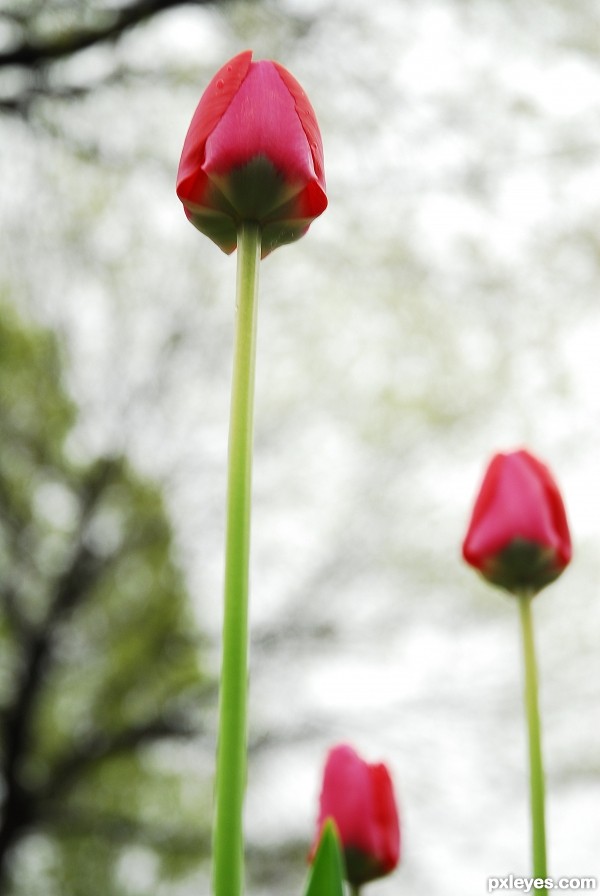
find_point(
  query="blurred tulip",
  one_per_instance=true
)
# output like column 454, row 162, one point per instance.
column 518, row 537
column 360, row 799
column 253, row 152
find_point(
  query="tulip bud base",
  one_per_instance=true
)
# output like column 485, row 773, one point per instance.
column 361, row 867
column 523, row 566
column 255, row 192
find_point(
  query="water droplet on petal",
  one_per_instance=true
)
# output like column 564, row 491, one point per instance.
column 220, row 84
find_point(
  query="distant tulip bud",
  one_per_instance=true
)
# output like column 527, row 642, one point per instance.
column 360, row 799
column 253, row 152
column 518, row 537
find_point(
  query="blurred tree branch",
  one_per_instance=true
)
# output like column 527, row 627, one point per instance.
column 73, row 585
column 100, row 746
column 35, row 50
column 31, row 53
column 98, row 656
column 120, row 828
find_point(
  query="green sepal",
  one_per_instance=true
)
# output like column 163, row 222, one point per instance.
column 326, row 877
column 523, row 566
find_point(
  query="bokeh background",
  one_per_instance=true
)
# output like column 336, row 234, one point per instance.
column 444, row 307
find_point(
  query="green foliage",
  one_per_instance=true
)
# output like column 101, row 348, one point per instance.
column 327, row 875
column 100, row 679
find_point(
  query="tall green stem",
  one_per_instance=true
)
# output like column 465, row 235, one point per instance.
column 536, row 769
column 228, row 845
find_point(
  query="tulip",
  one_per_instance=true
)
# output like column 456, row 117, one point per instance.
column 253, row 152
column 518, row 537
column 360, row 799
column 250, row 177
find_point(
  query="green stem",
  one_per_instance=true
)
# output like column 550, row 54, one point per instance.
column 536, row 769
column 228, row 845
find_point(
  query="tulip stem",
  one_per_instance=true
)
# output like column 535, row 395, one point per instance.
column 536, row 769
column 228, row 843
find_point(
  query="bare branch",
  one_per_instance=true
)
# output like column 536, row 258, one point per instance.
column 100, row 746
column 75, row 583
column 9, row 600
column 118, row 828
column 33, row 54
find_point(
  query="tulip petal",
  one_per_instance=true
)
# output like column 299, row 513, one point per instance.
column 556, row 508
column 213, row 104
column 261, row 121
column 386, row 816
column 308, row 120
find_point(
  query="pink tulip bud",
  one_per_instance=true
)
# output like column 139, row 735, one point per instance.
column 518, row 537
column 253, row 152
column 360, row 799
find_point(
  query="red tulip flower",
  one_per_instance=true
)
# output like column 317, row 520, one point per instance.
column 518, row 537
column 253, row 152
column 360, row 799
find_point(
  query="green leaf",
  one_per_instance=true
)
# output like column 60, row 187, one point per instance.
column 327, row 874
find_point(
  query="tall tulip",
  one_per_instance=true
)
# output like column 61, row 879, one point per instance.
column 250, row 176
column 359, row 797
column 518, row 539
